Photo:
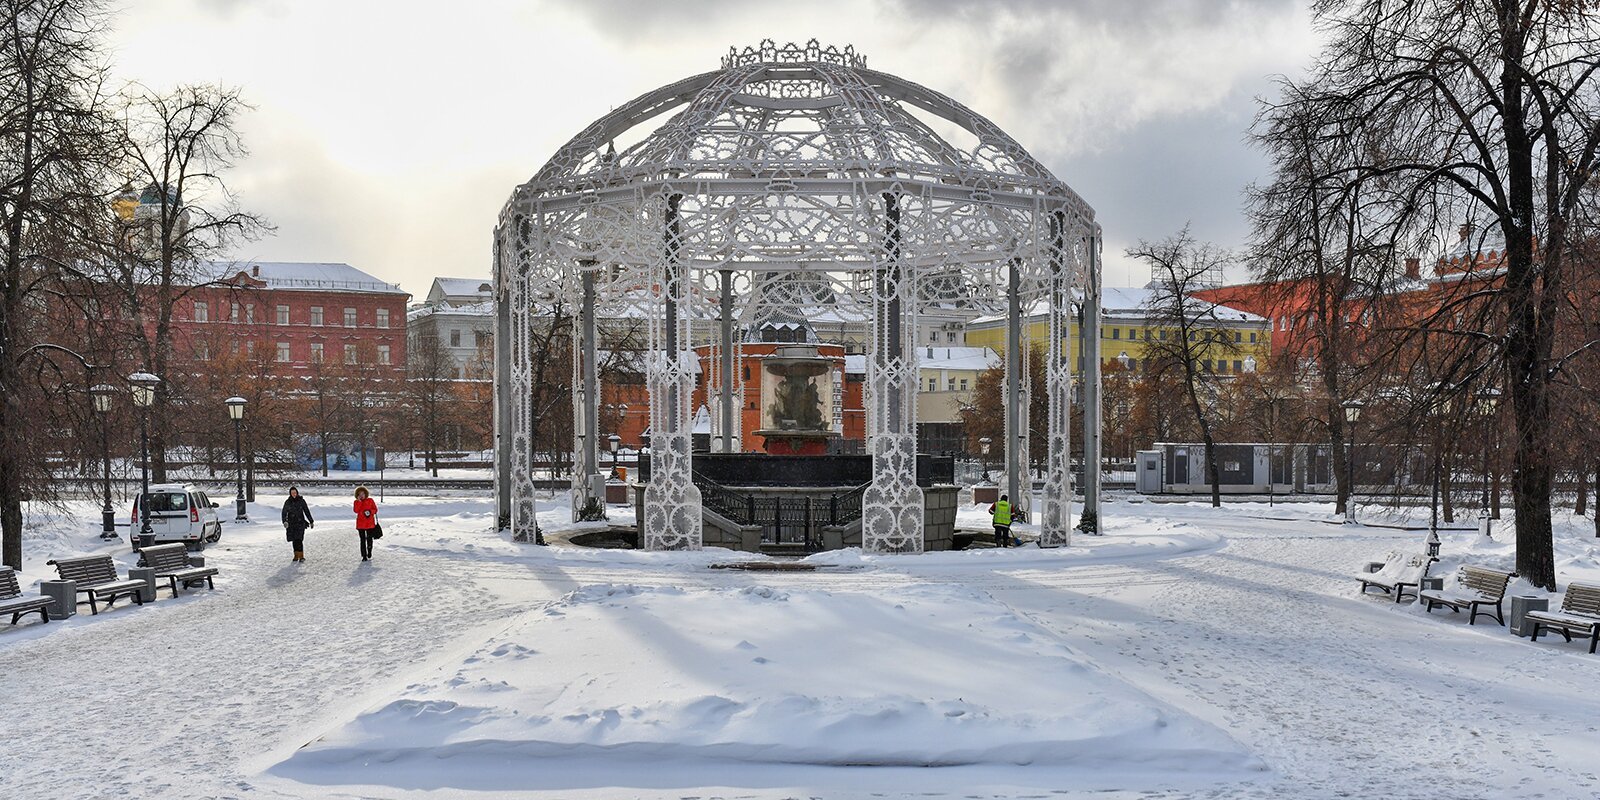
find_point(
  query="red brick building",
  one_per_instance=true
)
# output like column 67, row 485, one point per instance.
column 301, row 313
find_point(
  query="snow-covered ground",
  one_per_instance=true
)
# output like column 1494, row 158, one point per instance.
column 1189, row 652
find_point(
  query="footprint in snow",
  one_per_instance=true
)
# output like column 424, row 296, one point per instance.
column 745, row 645
column 760, row 660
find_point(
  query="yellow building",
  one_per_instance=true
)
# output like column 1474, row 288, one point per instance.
column 1127, row 332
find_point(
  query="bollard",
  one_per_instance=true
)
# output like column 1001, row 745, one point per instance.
column 147, row 592
column 63, row 596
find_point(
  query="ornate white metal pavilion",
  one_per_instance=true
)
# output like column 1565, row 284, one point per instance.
column 793, row 176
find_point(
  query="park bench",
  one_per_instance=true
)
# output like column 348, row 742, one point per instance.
column 96, row 576
column 12, row 602
column 171, row 562
column 1580, row 614
column 1475, row 587
column 1399, row 571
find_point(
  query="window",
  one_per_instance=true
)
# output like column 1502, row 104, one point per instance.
column 383, row 317
column 202, row 311
column 951, row 336
column 933, row 336
column 1163, row 335
column 1238, row 337
column 202, row 351
column 1238, row 365
column 963, row 384
column 250, row 349
column 316, row 315
column 1116, row 333
column 455, row 337
column 349, row 318
column 483, row 339
column 933, row 384
column 1205, row 364
column 283, row 352
column 383, row 354
column 1252, row 338
column 349, row 354
column 233, row 314
column 250, row 314
column 1222, row 365
column 283, row 315
column 316, row 352
column 950, row 385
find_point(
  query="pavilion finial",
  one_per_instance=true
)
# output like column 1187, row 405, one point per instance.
column 769, row 52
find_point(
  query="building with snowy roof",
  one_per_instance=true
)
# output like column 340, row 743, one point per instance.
column 1131, row 325
column 293, row 315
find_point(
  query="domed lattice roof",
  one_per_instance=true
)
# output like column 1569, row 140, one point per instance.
column 796, row 111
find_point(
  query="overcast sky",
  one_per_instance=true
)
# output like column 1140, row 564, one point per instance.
column 388, row 134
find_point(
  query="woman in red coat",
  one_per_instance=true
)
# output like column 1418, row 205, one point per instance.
column 366, row 520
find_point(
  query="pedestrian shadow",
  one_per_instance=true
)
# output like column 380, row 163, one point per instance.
column 363, row 573
column 286, row 574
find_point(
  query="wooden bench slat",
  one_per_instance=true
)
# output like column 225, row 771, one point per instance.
column 8, row 583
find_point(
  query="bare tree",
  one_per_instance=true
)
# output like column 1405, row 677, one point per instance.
column 429, row 389
column 1189, row 330
column 1311, row 244
column 51, row 141
column 178, row 145
column 1494, row 108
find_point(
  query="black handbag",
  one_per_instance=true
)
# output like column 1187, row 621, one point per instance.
column 376, row 533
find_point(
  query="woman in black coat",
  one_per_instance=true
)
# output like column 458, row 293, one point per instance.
column 296, row 519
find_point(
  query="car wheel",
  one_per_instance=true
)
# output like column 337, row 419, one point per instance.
column 196, row 545
column 216, row 535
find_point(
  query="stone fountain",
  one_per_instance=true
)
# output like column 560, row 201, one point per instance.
column 794, row 422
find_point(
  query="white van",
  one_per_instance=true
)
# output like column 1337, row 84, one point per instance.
column 179, row 512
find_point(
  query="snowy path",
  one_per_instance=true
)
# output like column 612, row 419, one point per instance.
column 207, row 682
column 1341, row 696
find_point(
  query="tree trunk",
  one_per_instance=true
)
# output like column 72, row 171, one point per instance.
column 1580, row 506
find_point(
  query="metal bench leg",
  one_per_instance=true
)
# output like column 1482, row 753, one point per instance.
column 1535, row 636
column 209, row 584
column 174, row 580
column 93, row 607
column 1594, row 641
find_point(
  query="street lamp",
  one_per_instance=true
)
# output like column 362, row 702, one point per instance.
column 144, row 396
column 1488, row 400
column 616, row 443
column 236, row 413
column 102, row 394
column 1352, row 415
column 983, row 447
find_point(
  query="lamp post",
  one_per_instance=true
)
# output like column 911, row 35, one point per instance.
column 144, row 396
column 1352, row 415
column 615, row 442
column 102, row 394
column 1488, row 399
column 236, row 413
column 983, row 447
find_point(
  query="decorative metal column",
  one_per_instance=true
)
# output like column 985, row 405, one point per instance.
column 671, row 500
column 729, row 356
column 1089, row 522
column 1016, row 401
column 502, row 395
column 891, row 508
column 587, row 504
column 1055, row 526
column 524, row 524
